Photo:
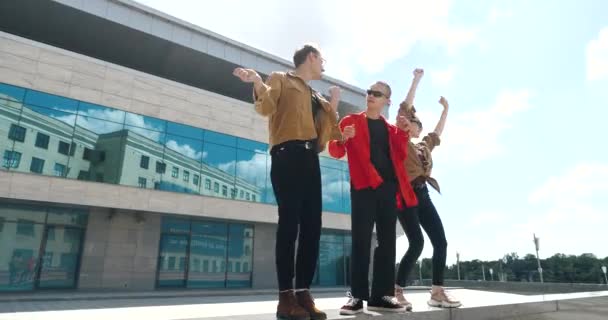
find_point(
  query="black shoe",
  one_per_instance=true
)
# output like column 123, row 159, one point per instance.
column 386, row 303
column 353, row 306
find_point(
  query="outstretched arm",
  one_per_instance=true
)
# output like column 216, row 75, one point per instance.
column 444, row 115
column 266, row 95
column 409, row 99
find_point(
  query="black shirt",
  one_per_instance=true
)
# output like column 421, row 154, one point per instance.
column 380, row 150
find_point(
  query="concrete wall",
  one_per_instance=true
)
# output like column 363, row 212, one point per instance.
column 120, row 250
column 264, row 269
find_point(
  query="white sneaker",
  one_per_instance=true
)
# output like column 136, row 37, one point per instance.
column 402, row 300
column 442, row 299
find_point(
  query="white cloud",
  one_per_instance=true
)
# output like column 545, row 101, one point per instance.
column 356, row 36
column 186, row 150
column 442, row 77
column 251, row 170
column 597, row 57
column 475, row 136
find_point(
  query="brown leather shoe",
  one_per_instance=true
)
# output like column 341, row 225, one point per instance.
column 289, row 309
column 308, row 303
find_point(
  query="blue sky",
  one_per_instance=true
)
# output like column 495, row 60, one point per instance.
column 527, row 83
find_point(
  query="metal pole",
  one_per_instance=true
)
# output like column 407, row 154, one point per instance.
column 483, row 271
column 420, row 271
column 458, row 264
column 605, row 278
column 540, row 269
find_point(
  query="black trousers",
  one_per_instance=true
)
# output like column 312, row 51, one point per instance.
column 425, row 216
column 371, row 207
column 296, row 181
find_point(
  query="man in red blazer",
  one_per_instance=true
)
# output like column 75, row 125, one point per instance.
column 376, row 152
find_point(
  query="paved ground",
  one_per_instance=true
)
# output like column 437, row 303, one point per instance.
column 477, row 305
column 580, row 309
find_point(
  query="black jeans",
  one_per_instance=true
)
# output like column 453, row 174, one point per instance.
column 296, row 181
column 411, row 220
column 371, row 206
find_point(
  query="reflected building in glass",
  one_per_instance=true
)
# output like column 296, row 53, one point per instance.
column 135, row 160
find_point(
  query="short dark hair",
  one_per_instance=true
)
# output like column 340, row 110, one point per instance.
column 299, row 57
column 389, row 92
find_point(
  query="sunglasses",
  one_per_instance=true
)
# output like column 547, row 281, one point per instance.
column 375, row 93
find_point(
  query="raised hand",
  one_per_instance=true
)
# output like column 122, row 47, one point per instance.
column 444, row 102
column 247, row 75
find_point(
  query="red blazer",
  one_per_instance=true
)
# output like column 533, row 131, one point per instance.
column 363, row 174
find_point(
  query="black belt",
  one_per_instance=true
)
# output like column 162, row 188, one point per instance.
column 295, row 144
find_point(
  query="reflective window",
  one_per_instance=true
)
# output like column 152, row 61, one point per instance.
column 60, row 170
column 63, row 148
column 240, row 255
column 144, row 162
column 8, row 92
column 40, row 246
column 145, row 122
column 17, row 133
column 90, row 110
column 209, row 242
column 219, row 162
column 251, row 172
column 60, row 257
column 42, row 140
column 219, row 254
column 332, row 182
column 54, row 135
column 334, row 259
column 173, row 247
column 11, row 159
column 185, row 131
column 37, row 165
column 50, row 101
column 220, row 138
column 160, row 167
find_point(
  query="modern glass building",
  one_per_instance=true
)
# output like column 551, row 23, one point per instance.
column 133, row 159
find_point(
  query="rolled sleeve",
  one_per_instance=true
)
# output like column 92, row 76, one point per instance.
column 267, row 100
column 431, row 140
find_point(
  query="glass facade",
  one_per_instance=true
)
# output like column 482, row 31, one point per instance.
column 333, row 267
column 197, row 253
column 51, row 135
column 40, row 247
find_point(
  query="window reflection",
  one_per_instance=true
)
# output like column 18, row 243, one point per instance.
column 50, row 101
column 12, row 93
column 27, row 230
column 334, row 259
column 101, row 112
column 332, row 182
column 185, row 131
column 145, row 122
column 239, row 256
column 57, row 136
column 219, row 254
column 218, row 165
